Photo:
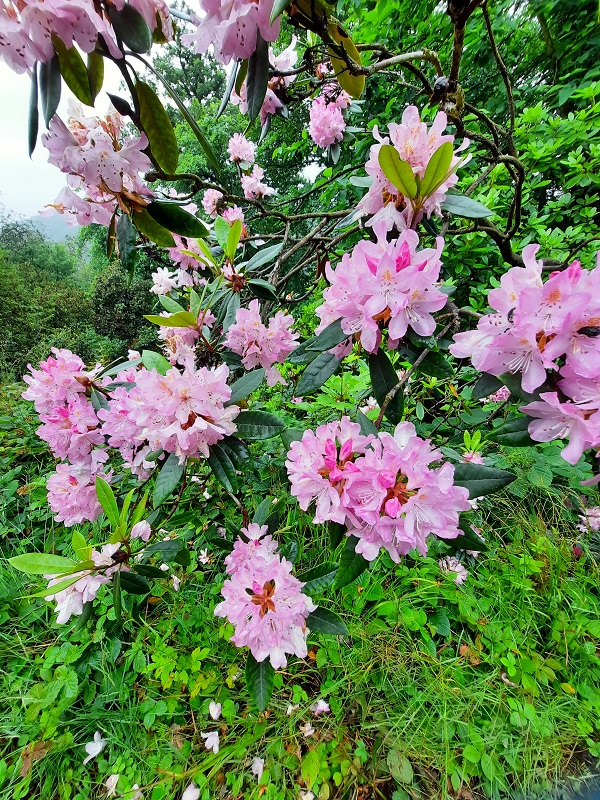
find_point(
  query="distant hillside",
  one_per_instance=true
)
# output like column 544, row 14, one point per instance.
column 54, row 228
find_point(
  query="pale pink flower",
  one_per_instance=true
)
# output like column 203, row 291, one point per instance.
column 232, row 28
column 258, row 767
column 241, row 149
column 164, row 281
column 253, row 185
column 191, row 793
column 211, row 740
column 499, row 396
column 556, row 420
column 214, row 709
column 265, row 604
column 95, row 747
column 320, row 707
column 452, row 565
column 416, row 144
column 111, row 785
column 472, row 456
column 590, row 519
column 72, row 493
column 61, row 379
column 261, row 345
column 307, row 730
column 210, row 201
column 327, row 125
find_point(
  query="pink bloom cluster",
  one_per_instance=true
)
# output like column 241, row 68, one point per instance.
column 263, row 600
column 415, row 144
column 180, row 343
column 27, row 27
column 253, row 185
column 546, row 330
column 451, row 564
column 384, row 284
column 327, row 124
column 100, row 163
column 70, row 601
column 241, row 149
column 383, row 489
column 232, row 28
column 181, row 412
column 276, row 94
column 214, row 208
column 259, row 344
column 71, row 429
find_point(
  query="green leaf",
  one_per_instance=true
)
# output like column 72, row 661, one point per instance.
column 120, row 367
column 233, row 306
column 290, row 435
column 264, row 256
column 257, row 78
column 256, row 425
column 262, row 512
column 336, row 533
column 383, row 379
column 42, row 564
column 303, row 354
column 148, row 571
column 437, row 169
column 222, row 467
column 134, row 584
column 259, row 680
column 235, row 448
column 151, row 229
column 279, row 7
column 352, row 564
column 117, row 600
column 126, row 240
column 49, row 83
column 397, row 171
column 462, row 206
column 440, row 622
column 98, row 400
column 436, row 366
column 318, row 578
column 316, row 373
column 310, row 768
column 228, row 90
column 481, row 480
column 262, row 289
column 321, row 620
column 241, row 76
column 331, row 336
column 80, row 546
column 158, row 128
column 107, row 500
column 167, row 551
column 485, row 386
column 353, row 84
column 400, row 767
column 111, row 236
column 513, row 433
column 95, row 66
column 222, row 233
column 471, row 753
column 168, row 478
column 152, row 360
column 33, row 121
column 233, row 239
column 182, row 319
column 468, row 540
column 73, row 71
column 176, row 219
column 366, row 426
column 131, row 28
column 246, row 385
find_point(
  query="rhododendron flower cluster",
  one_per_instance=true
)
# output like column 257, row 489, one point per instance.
column 27, row 27
column 70, row 601
column 276, row 94
column 327, row 124
column 264, row 601
column 241, row 149
column 70, row 426
column 259, row 344
column 415, row 144
column 253, row 185
column 232, row 28
column 383, row 489
column 101, row 164
column 384, row 284
column 546, row 330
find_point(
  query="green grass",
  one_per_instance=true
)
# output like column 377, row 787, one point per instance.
column 491, row 689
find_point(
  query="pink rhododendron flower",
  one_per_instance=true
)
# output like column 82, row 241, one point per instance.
column 320, row 462
column 210, row 201
column 111, row 785
column 164, row 281
column 261, row 345
column 72, row 492
column 499, row 396
column 254, row 548
column 415, row 144
column 472, row 457
column 192, row 792
column 452, row 565
column 590, row 519
column 253, row 185
column 232, row 28
column 61, row 379
column 141, row 530
column 258, row 767
column 327, row 125
column 383, row 284
column 556, row 420
column 241, row 149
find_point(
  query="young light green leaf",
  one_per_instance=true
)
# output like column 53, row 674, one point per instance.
column 233, row 239
column 437, row 169
column 182, row 319
column 107, row 500
column 152, row 360
column 397, row 171
column 42, row 564
column 73, row 71
column 95, row 67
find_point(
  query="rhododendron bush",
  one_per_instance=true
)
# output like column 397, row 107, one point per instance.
column 234, row 261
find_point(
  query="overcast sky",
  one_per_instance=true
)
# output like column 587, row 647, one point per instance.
column 26, row 185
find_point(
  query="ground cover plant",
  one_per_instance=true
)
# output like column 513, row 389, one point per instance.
column 333, row 532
